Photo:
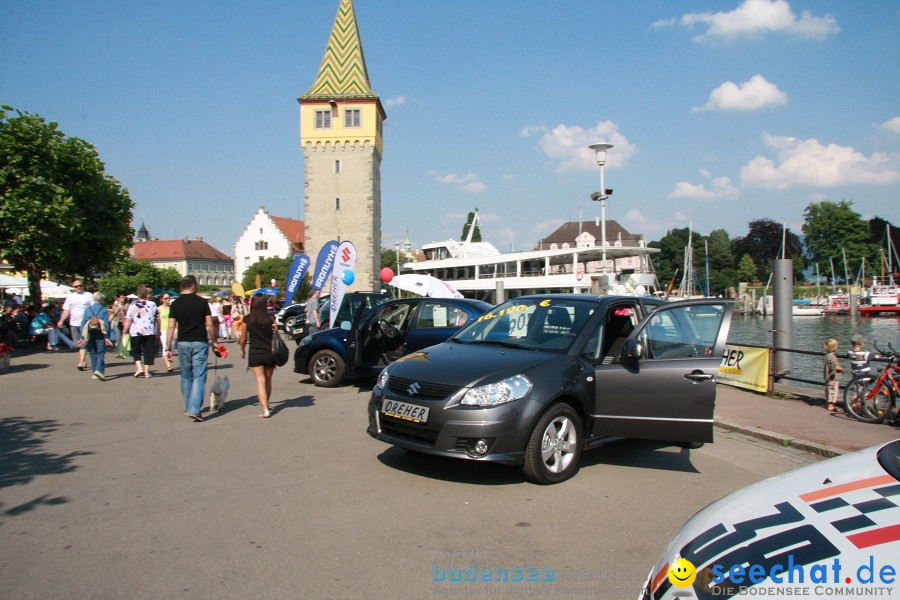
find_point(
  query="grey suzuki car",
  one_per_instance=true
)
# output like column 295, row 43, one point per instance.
column 538, row 379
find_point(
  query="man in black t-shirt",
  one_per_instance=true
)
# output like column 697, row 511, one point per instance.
column 190, row 314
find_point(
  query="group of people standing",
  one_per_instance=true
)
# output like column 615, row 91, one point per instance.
column 187, row 324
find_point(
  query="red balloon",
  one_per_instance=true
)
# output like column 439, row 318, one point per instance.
column 387, row 274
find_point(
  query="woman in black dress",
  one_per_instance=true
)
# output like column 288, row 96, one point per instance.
column 260, row 327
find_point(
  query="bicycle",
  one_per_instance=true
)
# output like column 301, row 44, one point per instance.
column 873, row 399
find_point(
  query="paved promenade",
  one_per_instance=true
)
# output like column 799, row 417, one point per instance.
column 108, row 491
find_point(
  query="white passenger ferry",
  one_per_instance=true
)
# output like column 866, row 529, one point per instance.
column 568, row 261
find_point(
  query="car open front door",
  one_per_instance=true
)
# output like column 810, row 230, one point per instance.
column 666, row 388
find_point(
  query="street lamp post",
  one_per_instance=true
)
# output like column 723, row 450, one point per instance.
column 600, row 152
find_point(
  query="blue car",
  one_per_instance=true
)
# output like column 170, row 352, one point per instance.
column 380, row 335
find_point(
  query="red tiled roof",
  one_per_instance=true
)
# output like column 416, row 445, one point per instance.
column 177, row 250
column 292, row 229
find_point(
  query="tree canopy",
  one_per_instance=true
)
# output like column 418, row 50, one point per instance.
column 763, row 244
column 127, row 274
column 476, row 234
column 834, row 230
column 59, row 210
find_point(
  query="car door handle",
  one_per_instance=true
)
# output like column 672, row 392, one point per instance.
column 699, row 376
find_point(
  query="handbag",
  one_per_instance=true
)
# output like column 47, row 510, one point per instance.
column 279, row 350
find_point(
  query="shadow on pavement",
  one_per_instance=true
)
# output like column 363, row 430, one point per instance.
column 21, row 368
column 641, row 454
column 625, row 453
column 449, row 469
column 22, row 458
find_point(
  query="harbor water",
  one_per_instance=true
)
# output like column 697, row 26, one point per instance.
column 809, row 333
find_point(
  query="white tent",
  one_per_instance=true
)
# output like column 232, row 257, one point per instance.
column 49, row 289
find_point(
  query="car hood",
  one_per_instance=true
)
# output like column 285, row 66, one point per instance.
column 462, row 365
column 819, row 496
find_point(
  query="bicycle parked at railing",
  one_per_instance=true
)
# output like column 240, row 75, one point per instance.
column 874, row 398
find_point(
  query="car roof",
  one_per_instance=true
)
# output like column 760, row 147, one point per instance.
column 595, row 298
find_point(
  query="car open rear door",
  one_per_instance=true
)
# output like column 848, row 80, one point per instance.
column 667, row 389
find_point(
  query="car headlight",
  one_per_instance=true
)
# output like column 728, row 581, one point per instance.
column 305, row 341
column 382, row 380
column 511, row 388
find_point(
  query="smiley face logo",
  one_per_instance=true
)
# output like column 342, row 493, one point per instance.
column 682, row 573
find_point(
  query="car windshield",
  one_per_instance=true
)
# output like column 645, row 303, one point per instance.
column 533, row 323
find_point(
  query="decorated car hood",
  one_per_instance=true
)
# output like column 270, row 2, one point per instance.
column 828, row 529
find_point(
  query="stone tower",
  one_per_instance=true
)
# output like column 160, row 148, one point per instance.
column 341, row 135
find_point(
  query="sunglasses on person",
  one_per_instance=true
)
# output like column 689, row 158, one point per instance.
column 78, row 285
column 165, row 298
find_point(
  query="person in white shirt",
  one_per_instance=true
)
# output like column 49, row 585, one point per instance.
column 73, row 309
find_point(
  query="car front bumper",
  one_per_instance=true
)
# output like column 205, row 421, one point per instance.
column 452, row 430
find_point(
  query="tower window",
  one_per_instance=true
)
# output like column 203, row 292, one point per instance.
column 323, row 119
column 337, row 204
column 337, row 167
column 352, row 117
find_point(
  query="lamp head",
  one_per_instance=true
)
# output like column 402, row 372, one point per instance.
column 600, row 152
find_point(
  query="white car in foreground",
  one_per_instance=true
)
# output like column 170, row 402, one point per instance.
column 831, row 529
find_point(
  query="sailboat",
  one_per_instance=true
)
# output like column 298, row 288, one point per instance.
column 883, row 296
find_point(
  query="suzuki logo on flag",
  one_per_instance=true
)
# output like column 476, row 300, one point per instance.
column 346, row 254
column 413, row 388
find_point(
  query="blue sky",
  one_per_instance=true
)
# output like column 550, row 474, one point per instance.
column 721, row 112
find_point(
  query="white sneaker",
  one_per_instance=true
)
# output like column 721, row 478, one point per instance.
column 98, row 375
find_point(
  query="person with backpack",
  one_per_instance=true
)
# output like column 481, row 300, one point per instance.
column 95, row 335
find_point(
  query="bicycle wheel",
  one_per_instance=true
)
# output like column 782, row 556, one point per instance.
column 872, row 410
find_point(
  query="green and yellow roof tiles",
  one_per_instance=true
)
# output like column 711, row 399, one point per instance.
column 343, row 72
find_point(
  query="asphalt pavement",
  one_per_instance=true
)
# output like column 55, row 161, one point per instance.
column 107, row 491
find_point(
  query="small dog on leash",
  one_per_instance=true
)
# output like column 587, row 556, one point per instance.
column 218, row 394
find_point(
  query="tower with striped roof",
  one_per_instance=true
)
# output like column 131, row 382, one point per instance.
column 341, row 135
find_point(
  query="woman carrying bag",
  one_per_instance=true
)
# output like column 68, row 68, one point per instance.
column 259, row 328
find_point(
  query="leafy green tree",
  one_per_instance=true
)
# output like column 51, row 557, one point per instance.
column 878, row 236
column 389, row 259
column 277, row 269
column 722, row 274
column 59, row 210
column 476, row 235
column 763, row 244
column 833, row 229
column 127, row 274
column 746, row 270
column 669, row 263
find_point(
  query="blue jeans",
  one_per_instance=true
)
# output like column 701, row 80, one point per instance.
column 192, row 357
column 96, row 346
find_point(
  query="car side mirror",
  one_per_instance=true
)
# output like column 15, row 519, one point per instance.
column 633, row 350
column 346, row 325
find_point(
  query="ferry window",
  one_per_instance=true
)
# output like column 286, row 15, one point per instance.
column 323, row 119
column 352, row 117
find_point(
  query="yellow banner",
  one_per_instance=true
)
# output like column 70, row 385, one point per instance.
column 745, row 367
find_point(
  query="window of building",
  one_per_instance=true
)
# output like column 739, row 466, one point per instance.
column 337, row 167
column 323, row 119
column 261, row 245
column 337, row 204
column 352, row 117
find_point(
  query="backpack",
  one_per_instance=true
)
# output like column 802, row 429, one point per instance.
column 94, row 323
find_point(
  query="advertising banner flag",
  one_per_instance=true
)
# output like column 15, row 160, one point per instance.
column 341, row 278
column 295, row 276
column 745, row 367
column 324, row 264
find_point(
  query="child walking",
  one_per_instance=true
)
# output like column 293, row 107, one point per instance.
column 832, row 375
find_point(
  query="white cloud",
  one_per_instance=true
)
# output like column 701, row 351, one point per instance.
column 807, row 163
column 755, row 18
column 719, row 188
column 548, row 226
column 753, row 94
column 890, row 126
column 652, row 229
column 397, row 101
column 567, row 147
column 467, row 183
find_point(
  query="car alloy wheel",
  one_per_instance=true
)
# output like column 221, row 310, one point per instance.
column 554, row 448
column 327, row 368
